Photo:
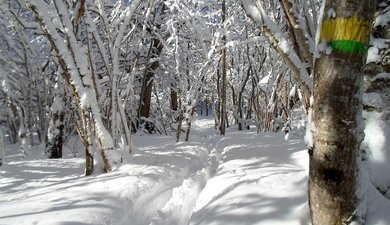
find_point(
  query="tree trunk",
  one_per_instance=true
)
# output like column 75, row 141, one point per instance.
column 88, row 159
column 285, row 93
column 159, row 108
column 147, row 83
column 271, row 107
column 297, row 35
column 207, row 107
column 224, row 71
column 240, row 94
column 217, row 103
column 234, row 99
column 14, row 121
column 2, row 149
column 55, row 131
column 55, row 135
column 173, row 99
column 337, row 112
column 179, row 122
column 190, row 123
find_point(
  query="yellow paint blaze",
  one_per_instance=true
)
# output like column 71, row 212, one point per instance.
column 352, row 29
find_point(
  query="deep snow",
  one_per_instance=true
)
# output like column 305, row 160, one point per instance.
column 241, row 178
column 261, row 179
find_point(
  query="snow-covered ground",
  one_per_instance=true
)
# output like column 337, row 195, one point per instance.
column 261, row 179
column 241, row 178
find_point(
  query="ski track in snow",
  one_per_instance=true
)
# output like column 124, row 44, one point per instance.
column 242, row 178
column 261, row 179
column 148, row 190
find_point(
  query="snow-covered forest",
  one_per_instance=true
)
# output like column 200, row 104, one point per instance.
column 175, row 112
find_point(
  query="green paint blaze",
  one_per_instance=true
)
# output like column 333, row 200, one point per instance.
column 348, row 46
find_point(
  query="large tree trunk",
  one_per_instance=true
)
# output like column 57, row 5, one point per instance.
column 337, row 112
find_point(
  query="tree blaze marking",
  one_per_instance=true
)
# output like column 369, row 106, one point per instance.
column 346, row 35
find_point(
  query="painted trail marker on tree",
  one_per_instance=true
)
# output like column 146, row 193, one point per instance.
column 346, row 35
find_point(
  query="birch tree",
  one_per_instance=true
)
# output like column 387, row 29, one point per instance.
column 55, row 135
column 61, row 26
column 337, row 112
column 24, row 81
column 295, row 44
column 155, row 49
column 223, row 72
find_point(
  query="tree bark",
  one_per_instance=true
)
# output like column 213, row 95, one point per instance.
column 159, row 108
column 240, row 94
column 14, row 121
column 297, row 35
column 173, row 99
column 190, row 123
column 55, row 135
column 337, row 112
column 179, row 122
column 217, row 103
column 88, row 163
column 147, row 83
column 207, row 107
column 2, row 149
column 55, row 131
column 224, row 71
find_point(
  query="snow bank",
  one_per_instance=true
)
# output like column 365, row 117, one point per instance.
column 376, row 145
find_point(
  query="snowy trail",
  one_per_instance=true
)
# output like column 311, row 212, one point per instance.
column 261, row 179
column 163, row 183
column 162, row 178
column 241, row 178
column 179, row 206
